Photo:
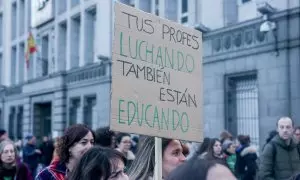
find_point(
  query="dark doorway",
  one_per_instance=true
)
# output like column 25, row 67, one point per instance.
column 42, row 119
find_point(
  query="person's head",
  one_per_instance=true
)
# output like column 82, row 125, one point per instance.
column 104, row 137
column 8, row 152
column 76, row 140
column 229, row 147
column 244, row 140
column 196, row 169
column 173, row 155
column 31, row 139
column 225, row 135
column 215, row 148
column 285, row 127
column 3, row 135
column 45, row 138
column 143, row 166
column 123, row 142
column 297, row 134
column 204, row 146
column 100, row 163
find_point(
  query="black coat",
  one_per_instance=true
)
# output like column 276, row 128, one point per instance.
column 246, row 166
column 30, row 157
column 47, row 149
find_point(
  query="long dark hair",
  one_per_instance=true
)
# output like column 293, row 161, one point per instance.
column 194, row 169
column 97, row 163
column 71, row 136
column 244, row 140
column 104, row 137
column 210, row 152
column 203, row 147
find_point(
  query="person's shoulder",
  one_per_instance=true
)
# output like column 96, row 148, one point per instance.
column 269, row 147
column 22, row 165
column 45, row 174
column 249, row 150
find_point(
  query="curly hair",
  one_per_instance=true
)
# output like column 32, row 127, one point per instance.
column 72, row 135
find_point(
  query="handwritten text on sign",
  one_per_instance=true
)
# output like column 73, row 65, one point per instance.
column 156, row 76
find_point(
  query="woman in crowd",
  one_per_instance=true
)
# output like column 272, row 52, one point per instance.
column 123, row 141
column 199, row 169
column 101, row 164
column 203, row 148
column 143, row 166
column 214, row 152
column 246, row 166
column 229, row 152
column 10, row 167
column 76, row 140
column 225, row 136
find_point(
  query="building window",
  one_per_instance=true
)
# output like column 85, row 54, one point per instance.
column 1, row 118
column 128, row 2
column 184, row 12
column 90, row 110
column 242, row 105
column 244, row 1
column 156, row 7
column 75, row 38
column 61, row 5
column 19, row 123
column 74, row 110
column 13, row 65
column 21, row 62
column 74, row 3
column 1, row 59
column 62, row 39
column 21, row 17
column 90, row 25
column 14, row 21
column 184, row 6
column 12, row 121
column 1, row 29
column 42, row 58
column 145, row 5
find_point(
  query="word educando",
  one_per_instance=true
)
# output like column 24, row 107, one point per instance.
column 130, row 112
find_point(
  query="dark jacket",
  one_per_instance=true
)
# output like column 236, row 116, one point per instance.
column 245, row 167
column 47, row 149
column 282, row 164
column 55, row 171
column 219, row 160
column 30, row 157
column 20, row 172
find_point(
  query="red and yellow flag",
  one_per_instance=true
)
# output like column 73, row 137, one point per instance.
column 31, row 48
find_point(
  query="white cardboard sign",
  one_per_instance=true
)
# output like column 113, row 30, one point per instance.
column 156, row 76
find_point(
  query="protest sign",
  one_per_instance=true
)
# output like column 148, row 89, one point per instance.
column 156, row 76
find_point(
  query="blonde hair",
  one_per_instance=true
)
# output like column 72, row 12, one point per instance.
column 143, row 166
column 3, row 144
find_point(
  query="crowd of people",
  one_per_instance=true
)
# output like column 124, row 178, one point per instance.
column 83, row 154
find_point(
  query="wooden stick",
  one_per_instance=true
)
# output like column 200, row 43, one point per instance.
column 158, row 159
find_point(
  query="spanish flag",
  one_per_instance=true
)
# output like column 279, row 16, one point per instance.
column 31, row 48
